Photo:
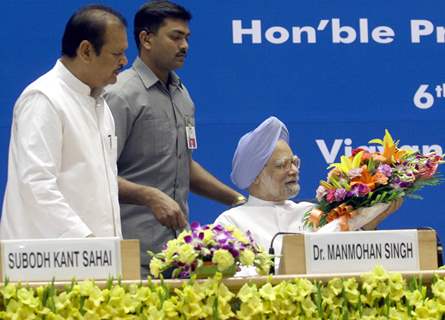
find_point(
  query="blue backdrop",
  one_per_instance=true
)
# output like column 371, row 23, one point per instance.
column 336, row 72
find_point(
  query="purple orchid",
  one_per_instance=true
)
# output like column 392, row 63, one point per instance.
column 340, row 194
column 221, row 238
column 195, row 239
column 385, row 169
column 397, row 183
column 358, row 190
column 195, row 225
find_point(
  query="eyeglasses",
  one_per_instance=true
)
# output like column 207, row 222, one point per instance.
column 286, row 164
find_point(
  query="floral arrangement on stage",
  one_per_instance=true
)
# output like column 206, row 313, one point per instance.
column 368, row 178
column 374, row 295
column 203, row 250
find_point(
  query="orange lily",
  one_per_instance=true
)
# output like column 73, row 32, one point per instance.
column 380, row 178
column 365, row 178
column 390, row 151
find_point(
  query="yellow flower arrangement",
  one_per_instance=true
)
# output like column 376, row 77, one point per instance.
column 377, row 295
column 226, row 247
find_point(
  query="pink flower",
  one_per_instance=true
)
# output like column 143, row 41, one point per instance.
column 356, row 172
column 330, row 197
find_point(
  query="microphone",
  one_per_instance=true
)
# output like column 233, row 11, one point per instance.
column 272, row 250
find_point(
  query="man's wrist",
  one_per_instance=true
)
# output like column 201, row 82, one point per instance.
column 239, row 201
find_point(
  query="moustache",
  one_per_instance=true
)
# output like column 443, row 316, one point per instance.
column 182, row 53
column 118, row 70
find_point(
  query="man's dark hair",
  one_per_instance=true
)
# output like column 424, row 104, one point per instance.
column 88, row 23
column 151, row 16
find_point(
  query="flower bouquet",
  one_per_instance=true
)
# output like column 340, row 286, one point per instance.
column 359, row 187
column 203, row 250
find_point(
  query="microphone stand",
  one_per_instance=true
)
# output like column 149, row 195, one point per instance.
column 272, row 250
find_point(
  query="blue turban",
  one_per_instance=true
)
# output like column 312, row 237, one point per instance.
column 255, row 149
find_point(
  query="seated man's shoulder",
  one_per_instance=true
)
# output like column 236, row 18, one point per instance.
column 231, row 216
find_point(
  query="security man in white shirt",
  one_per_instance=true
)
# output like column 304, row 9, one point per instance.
column 62, row 175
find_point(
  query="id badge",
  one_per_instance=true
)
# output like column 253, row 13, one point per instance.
column 192, row 143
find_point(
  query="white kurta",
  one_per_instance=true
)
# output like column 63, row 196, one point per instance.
column 264, row 219
column 62, row 175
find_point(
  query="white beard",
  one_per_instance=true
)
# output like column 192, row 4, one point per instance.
column 293, row 190
column 280, row 192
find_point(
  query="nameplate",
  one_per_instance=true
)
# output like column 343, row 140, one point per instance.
column 361, row 251
column 61, row 259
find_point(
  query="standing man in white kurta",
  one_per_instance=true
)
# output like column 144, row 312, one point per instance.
column 62, row 176
column 265, row 165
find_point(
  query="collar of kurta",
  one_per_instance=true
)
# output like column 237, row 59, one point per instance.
column 74, row 83
column 149, row 78
column 254, row 201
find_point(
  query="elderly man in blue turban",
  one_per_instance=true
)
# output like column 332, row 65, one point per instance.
column 265, row 165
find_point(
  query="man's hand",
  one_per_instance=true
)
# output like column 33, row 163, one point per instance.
column 166, row 210
column 393, row 206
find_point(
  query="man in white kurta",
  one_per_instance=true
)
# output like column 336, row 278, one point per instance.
column 265, row 165
column 264, row 219
column 62, row 175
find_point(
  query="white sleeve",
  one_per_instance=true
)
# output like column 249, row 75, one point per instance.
column 224, row 220
column 37, row 155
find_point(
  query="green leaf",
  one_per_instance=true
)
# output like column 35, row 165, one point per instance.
column 215, row 313
column 45, row 296
column 109, row 284
column 414, row 196
column 81, row 304
column 371, row 165
column 318, row 299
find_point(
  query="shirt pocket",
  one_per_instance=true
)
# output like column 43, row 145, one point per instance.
column 110, row 146
column 157, row 138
